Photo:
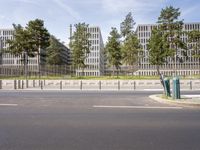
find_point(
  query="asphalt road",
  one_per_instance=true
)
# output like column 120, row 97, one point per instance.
column 75, row 120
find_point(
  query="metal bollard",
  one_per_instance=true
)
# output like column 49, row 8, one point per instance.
column 81, row 85
column 190, row 85
column 33, row 83
column 60, row 85
column 0, row 84
column 15, row 84
column 22, row 84
column 26, row 83
column 19, row 84
column 41, row 84
column 134, row 85
column 118, row 85
column 99, row 85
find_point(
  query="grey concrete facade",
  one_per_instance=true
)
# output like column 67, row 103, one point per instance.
column 95, row 59
column 189, row 66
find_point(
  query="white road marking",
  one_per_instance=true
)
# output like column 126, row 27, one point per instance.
column 136, row 107
column 8, row 104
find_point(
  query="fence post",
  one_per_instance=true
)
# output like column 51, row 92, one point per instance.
column 99, row 85
column 60, row 85
column 0, row 84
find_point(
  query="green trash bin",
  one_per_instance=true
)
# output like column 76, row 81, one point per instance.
column 167, row 87
column 176, row 88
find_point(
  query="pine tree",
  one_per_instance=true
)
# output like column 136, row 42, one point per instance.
column 113, row 49
column 21, row 45
column 127, row 25
column 131, row 49
column 80, row 46
column 157, row 49
column 40, row 36
column 171, row 27
column 130, row 45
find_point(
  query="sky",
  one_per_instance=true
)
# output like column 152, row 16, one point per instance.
column 59, row 14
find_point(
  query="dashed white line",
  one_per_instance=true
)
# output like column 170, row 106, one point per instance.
column 136, row 107
column 8, row 104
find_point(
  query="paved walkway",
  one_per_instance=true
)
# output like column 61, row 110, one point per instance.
column 186, row 100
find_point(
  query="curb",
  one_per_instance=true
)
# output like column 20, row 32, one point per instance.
column 173, row 102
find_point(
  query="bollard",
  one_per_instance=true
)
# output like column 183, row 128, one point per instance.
column 99, row 85
column 33, row 83
column 190, row 85
column 118, row 85
column 26, row 83
column 60, row 85
column 15, row 84
column 81, row 85
column 22, row 84
column 134, row 85
column 41, row 84
column 0, row 84
column 19, row 84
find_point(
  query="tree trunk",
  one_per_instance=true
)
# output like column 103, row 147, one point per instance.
column 161, row 76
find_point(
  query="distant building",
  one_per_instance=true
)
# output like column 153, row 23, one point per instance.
column 8, row 60
column 95, row 59
column 188, row 65
column 1, row 47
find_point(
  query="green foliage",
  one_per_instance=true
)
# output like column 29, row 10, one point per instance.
column 54, row 52
column 113, row 49
column 39, row 34
column 80, row 45
column 127, row 25
column 131, row 49
column 157, row 47
column 171, row 28
column 29, row 39
column 22, row 42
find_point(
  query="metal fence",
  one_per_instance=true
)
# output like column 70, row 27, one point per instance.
column 34, row 71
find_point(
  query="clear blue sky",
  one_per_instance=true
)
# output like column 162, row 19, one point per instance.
column 59, row 14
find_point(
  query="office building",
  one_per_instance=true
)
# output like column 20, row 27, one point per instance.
column 8, row 60
column 187, row 66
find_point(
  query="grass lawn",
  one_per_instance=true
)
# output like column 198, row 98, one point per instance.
column 65, row 77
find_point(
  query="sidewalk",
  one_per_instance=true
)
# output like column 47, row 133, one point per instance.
column 186, row 100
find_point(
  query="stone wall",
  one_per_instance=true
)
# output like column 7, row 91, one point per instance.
column 92, row 84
